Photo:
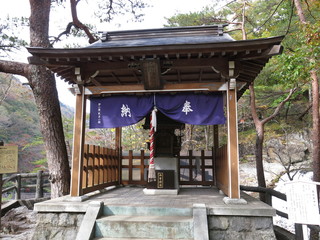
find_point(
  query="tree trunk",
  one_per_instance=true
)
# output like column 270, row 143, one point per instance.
column 259, row 159
column 315, row 118
column 315, row 126
column 300, row 12
column 259, row 125
column 42, row 83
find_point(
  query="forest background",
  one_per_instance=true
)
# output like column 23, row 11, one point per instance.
column 288, row 134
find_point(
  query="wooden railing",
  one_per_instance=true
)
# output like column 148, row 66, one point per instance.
column 269, row 193
column 21, row 182
column 100, row 168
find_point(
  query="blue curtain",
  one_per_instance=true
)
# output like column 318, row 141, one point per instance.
column 192, row 108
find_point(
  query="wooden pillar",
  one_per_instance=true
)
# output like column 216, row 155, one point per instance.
column 233, row 151
column 118, row 137
column 118, row 141
column 1, row 182
column 215, row 148
column 78, row 144
column 216, row 136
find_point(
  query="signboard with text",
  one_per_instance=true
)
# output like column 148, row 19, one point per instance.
column 303, row 205
column 8, row 159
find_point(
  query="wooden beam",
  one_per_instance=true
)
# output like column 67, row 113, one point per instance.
column 204, row 86
column 78, row 144
column 233, row 151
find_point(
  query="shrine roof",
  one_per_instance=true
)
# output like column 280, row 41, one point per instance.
column 161, row 59
column 163, row 37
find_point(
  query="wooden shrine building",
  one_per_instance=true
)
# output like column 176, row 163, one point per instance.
column 154, row 62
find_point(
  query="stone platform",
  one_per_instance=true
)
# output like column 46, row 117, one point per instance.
column 252, row 220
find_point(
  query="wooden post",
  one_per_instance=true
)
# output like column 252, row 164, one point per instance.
column 233, row 152
column 78, row 144
column 268, row 199
column 1, row 144
column 298, row 231
column 18, row 189
column 118, row 143
column 216, row 136
column 215, row 149
column 39, row 185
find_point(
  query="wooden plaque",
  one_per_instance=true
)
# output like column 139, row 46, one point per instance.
column 8, row 159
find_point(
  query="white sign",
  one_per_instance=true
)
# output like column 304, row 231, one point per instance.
column 302, row 199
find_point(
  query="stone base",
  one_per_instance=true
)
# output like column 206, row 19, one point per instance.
column 237, row 227
column 57, row 226
column 160, row 191
column 234, row 201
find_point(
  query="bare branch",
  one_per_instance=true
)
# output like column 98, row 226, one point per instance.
column 277, row 110
column 232, row 30
column 290, row 19
column 65, row 32
column 308, row 7
column 305, row 112
column 78, row 23
column 244, row 34
column 272, row 14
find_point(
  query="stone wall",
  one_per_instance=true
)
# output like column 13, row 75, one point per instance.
column 57, row 226
column 240, row 228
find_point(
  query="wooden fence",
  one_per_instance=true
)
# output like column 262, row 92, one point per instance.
column 196, row 168
column 134, row 166
column 22, row 181
column 100, row 168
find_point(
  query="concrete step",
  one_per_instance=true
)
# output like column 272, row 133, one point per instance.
column 148, row 227
column 146, row 211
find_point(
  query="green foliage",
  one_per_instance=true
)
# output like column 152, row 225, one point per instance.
column 10, row 38
column 189, row 19
column 19, row 124
column 40, row 164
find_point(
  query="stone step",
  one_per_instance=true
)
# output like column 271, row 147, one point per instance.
column 149, row 227
column 146, row 211
column 141, row 239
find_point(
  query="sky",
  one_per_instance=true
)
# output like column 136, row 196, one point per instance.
column 154, row 18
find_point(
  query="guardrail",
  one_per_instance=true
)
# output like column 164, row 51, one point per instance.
column 20, row 182
column 269, row 193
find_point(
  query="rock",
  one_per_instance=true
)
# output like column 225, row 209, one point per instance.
column 291, row 148
column 57, row 226
column 18, row 223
